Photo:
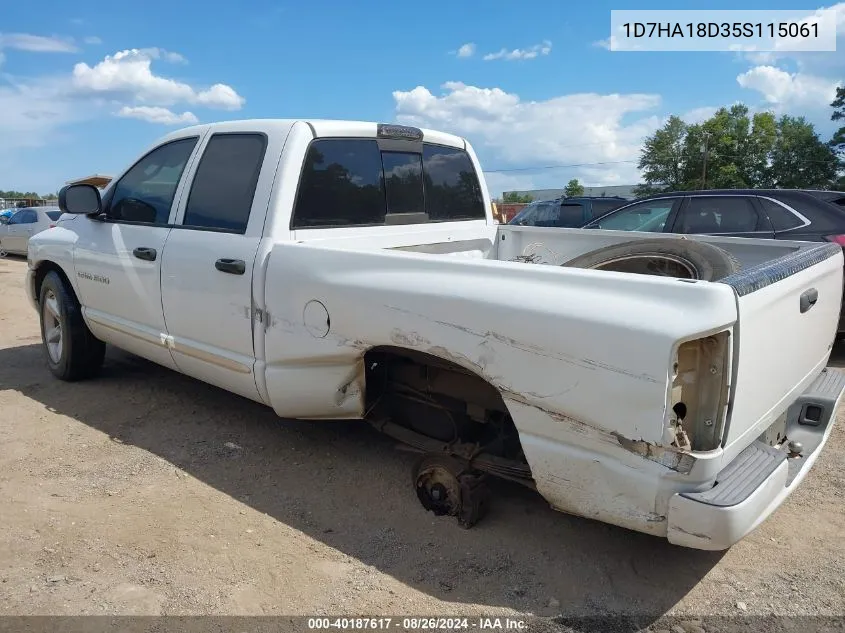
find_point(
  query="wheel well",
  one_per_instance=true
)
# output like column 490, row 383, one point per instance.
column 437, row 399
column 41, row 272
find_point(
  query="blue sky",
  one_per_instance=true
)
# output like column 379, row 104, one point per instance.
column 85, row 87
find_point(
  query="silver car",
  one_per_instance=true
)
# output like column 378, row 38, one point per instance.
column 15, row 234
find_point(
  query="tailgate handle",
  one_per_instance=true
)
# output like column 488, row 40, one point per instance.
column 808, row 299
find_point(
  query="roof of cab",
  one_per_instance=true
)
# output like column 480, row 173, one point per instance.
column 322, row 128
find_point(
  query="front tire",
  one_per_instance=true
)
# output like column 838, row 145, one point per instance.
column 72, row 352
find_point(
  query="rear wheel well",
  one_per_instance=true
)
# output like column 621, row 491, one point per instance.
column 435, row 405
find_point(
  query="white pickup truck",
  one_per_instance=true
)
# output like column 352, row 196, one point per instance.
column 352, row 270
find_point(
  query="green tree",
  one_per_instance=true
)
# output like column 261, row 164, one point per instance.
column 573, row 188
column 733, row 150
column 729, row 150
column 800, row 159
column 837, row 142
column 662, row 158
column 513, row 197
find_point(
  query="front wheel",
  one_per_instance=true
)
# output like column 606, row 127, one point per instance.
column 72, row 352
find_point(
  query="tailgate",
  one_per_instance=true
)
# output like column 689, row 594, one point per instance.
column 788, row 314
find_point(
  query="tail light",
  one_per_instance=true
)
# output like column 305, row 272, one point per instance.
column 838, row 239
column 700, row 390
column 52, row 225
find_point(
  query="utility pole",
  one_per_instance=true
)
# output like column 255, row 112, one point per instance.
column 704, row 163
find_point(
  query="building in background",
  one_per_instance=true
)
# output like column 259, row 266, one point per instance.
column 623, row 191
column 98, row 180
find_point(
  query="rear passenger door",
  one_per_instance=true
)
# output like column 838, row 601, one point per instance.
column 734, row 216
column 207, row 266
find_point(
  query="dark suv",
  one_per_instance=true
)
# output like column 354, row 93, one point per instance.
column 566, row 212
column 786, row 214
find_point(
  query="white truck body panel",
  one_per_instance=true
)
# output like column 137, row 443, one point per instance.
column 583, row 359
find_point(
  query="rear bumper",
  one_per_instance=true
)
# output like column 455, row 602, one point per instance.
column 760, row 478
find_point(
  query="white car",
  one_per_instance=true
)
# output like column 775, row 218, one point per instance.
column 15, row 234
column 338, row 270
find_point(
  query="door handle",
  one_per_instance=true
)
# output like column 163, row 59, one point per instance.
column 231, row 266
column 808, row 299
column 143, row 252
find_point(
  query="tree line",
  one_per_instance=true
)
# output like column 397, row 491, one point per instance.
column 27, row 195
column 734, row 149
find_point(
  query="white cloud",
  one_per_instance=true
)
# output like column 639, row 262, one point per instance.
column 577, row 129
column 543, row 48
column 36, row 111
column 93, row 40
column 32, row 113
column 806, row 60
column 607, row 43
column 467, row 50
column 698, row 115
column 128, row 75
column 36, row 43
column 785, row 89
column 498, row 183
column 156, row 114
column 2, row 58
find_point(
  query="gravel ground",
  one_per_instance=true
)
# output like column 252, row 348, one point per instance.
column 145, row 492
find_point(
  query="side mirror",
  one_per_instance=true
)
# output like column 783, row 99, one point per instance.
column 4, row 219
column 80, row 199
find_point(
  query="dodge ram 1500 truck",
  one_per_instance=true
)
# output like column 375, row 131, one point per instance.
column 353, row 270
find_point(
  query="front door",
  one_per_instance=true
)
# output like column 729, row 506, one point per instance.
column 118, row 259
column 207, row 281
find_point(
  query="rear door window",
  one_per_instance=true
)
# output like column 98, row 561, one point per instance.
column 600, row 207
column 351, row 182
column 717, row 214
column 571, row 215
column 224, row 186
column 782, row 218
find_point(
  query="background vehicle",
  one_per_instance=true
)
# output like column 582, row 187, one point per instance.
column 781, row 214
column 834, row 197
column 337, row 270
column 566, row 212
column 22, row 225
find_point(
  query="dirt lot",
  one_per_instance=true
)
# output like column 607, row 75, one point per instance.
column 146, row 492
